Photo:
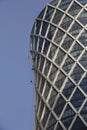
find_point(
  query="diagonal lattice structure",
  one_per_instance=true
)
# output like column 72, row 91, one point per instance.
column 59, row 53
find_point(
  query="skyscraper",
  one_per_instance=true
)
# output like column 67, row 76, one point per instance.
column 59, row 53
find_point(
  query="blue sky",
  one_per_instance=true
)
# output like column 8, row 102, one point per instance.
column 16, row 91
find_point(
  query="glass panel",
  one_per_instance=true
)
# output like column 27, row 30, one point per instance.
column 49, row 13
column 37, row 102
column 44, row 28
column 59, row 106
column 33, row 29
column 67, row 117
column 77, row 99
column 67, row 43
column 41, row 109
column 83, row 38
column 46, row 47
column 58, row 37
column 57, row 17
column 83, row 17
column 47, row 89
column 77, row 73
column 42, row 84
column 74, row 10
column 41, row 63
column 68, row 64
column 83, row 84
column 52, row 51
column 53, row 73
column 51, row 32
column 83, row 60
column 38, row 26
column 60, row 80
column 64, row 4
column 84, row 112
column 40, row 44
column 52, row 97
column 76, row 50
column 47, row 66
column 37, row 59
column 51, row 123
column 68, row 89
column 45, row 117
column 60, row 57
column 75, row 30
column 59, row 127
column 66, row 22
column 78, row 125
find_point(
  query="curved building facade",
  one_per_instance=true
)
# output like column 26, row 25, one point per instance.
column 59, row 53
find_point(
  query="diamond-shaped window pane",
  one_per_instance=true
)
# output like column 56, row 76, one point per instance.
column 46, row 47
column 75, row 30
column 49, row 13
column 38, row 25
column 53, row 73
column 33, row 29
column 84, row 112
column 47, row 89
column 38, row 79
column 66, row 22
column 59, row 127
column 42, row 84
column 51, row 123
column 57, row 17
column 37, row 59
column 83, row 60
column 79, row 125
column 76, row 50
column 64, row 4
column 44, row 28
column 77, row 73
column 52, row 98
column 83, row 17
column 47, row 67
column 51, row 32
column 40, row 44
column 77, row 99
column 58, row 37
column 41, row 63
column 37, row 102
column 41, row 109
column 60, row 80
column 83, row 38
column 67, row 116
column 68, row 64
column 67, row 43
column 45, row 117
column 74, row 9
column 59, row 106
column 68, row 89
column 83, row 84
column 60, row 57
column 52, row 51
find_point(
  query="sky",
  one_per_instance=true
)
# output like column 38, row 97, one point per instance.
column 16, row 92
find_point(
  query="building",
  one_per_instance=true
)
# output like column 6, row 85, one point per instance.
column 59, row 53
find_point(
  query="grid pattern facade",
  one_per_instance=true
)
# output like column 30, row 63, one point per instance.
column 59, row 53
